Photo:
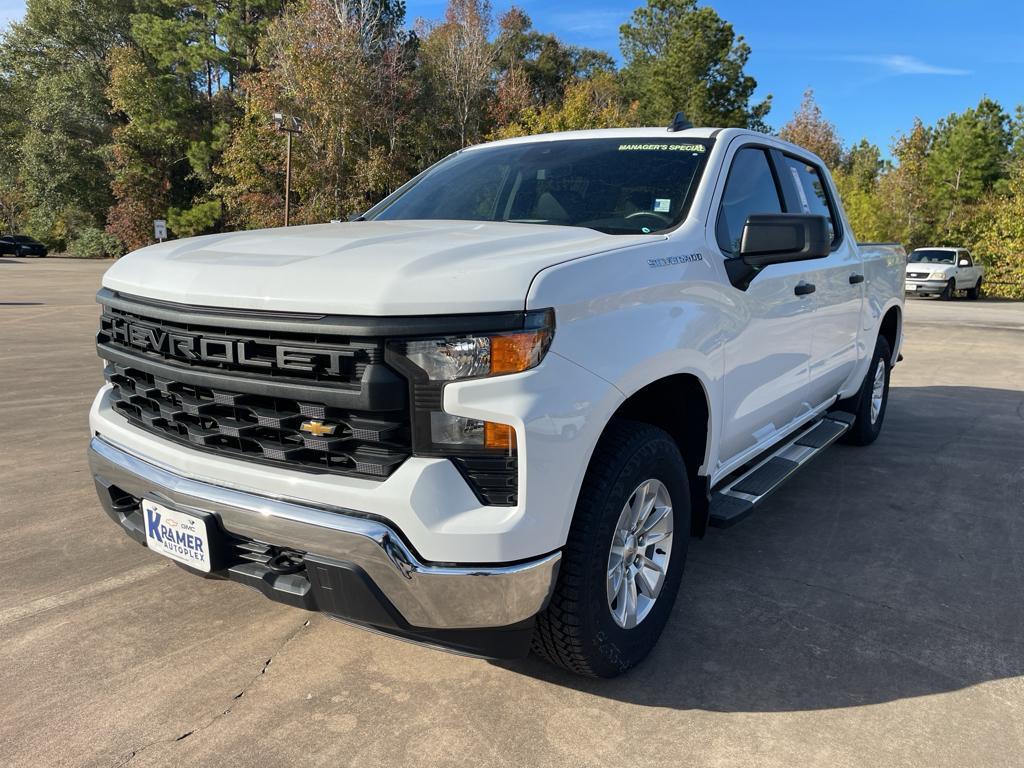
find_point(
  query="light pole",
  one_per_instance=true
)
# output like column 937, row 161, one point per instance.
column 289, row 125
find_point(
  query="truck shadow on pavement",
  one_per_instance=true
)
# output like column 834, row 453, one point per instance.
column 876, row 574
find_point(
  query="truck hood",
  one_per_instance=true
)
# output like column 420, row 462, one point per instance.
column 360, row 268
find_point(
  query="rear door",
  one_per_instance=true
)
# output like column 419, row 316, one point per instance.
column 768, row 354
column 838, row 281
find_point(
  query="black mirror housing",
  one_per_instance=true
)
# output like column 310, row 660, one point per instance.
column 779, row 238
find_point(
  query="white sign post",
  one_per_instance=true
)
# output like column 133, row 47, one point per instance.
column 160, row 230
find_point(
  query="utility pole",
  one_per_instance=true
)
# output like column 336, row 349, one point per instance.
column 288, row 125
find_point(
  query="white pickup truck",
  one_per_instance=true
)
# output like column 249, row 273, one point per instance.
column 943, row 272
column 491, row 413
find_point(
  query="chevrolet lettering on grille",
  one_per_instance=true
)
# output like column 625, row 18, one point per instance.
column 217, row 349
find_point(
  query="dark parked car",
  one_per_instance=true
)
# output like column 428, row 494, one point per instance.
column 21, row 245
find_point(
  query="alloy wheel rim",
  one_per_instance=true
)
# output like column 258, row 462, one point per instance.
column 639, row 554
column 877, row 391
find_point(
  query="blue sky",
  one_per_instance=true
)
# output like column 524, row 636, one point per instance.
column 873, row 65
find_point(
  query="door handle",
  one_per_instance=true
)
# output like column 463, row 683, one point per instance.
column 802, row 288
column 854, row 279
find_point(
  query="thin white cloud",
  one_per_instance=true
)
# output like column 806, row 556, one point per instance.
column 899, row 64
column 590, row 21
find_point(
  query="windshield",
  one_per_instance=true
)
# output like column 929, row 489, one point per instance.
column 932, row 256
column 617, row 186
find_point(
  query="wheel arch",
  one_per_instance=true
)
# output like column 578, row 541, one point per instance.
column 679, row 404
column 891, row 329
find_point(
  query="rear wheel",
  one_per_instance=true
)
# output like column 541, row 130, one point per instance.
column 623, row 561
column 949, row 291
column 975, row 292
column 873, row 399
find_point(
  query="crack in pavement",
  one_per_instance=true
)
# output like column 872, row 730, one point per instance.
column 245, row 688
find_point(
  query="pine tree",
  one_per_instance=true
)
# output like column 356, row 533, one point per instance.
column 683, row 57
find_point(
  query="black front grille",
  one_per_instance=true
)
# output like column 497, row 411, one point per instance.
column 918, row 275
column 287, row 390
column 259, row 427
column 259, row 354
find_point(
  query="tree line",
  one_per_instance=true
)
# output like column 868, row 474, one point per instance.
column 117, row 112
column 959, row 182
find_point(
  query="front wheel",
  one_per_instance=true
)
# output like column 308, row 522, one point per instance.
column 623, row 561
column 949, row 291
column 873, row 399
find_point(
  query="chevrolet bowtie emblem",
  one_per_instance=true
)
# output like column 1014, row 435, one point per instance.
column 318, row 428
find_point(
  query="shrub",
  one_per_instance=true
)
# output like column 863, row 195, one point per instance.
column 94, row 243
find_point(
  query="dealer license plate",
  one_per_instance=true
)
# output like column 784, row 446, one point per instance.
column 177, row 535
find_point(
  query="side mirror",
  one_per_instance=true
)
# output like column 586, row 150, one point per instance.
column 964, row 263
column 778, row 238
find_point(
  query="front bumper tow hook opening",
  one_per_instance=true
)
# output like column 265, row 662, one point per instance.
column 285, row 562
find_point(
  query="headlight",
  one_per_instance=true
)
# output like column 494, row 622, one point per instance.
column 470, row 357
column 432, row 363
column 937, row 276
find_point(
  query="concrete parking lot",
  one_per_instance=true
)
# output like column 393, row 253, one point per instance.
column 871, row 614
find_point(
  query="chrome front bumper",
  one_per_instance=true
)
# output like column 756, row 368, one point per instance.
column 924, row 286
column 428, row 596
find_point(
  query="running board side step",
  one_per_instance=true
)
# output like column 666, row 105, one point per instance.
column 741, row 494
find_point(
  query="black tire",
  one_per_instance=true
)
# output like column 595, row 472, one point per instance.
column 865, row 431
column 949, row 292
column 576, row 631
column 975, row 292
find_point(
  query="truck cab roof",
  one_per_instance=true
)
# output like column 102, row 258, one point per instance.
column 625, row 133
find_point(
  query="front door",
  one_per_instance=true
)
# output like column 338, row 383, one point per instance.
column 768, row 355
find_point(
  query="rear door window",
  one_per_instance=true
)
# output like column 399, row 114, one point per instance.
column 810, row 187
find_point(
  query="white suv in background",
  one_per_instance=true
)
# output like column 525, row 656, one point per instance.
column 943, row 272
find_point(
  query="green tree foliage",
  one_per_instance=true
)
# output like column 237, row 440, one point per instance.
column 546, row 64
column 13, row 203
column 346, row 72
column 904, row 194
column 175, row 94
column 1000, row 241
column 680, row 56
column 57, row 125
column 595, row 102
column 969, row 157
column 93, row 243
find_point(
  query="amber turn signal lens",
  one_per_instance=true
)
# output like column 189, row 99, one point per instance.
column 499, row 436
column 518, row 351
